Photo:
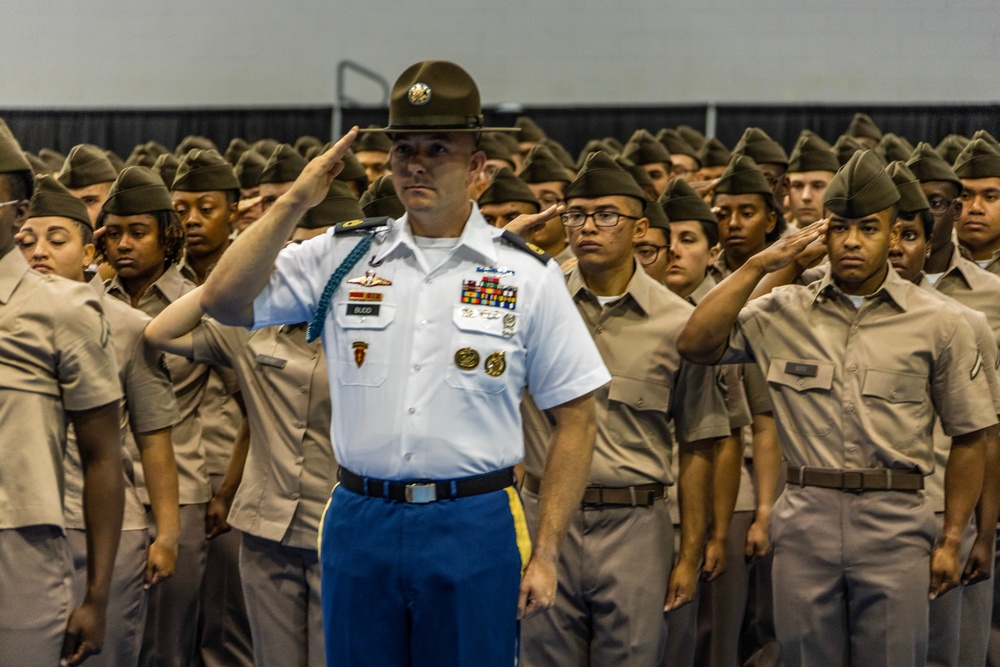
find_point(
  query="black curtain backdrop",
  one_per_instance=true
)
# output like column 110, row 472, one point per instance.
column 121, row 130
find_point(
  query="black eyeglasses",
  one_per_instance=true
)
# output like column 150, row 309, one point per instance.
column 548, row 201
column 601, row 218
column 940, row 205
column 648, row 252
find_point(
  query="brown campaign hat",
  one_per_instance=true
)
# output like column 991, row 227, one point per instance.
column 927, row 165
column 138, row 190
column 11, row 156
column 204, row 171
column 692, row 136
column 656, row 216
column 675, row 143
column 166, row 166
column 980, row 159
column 144, row 155
column 559, row 153
column 54, row 159
column 236, row 148
column 338, row 206
column 812, row 154
column 601, row 176
column 540, row 166
column 86, row 165
column 643, row 148
column 249, row 168
column 495, row 149
column 911, row 195
column 894, row 148
column 681, row 203
column 305, row 142
column 376, row 140
column 506, row 187
column 194, row 142
column 283, row 166
column 713, row 153
column 436, row 96
column 863, row 126
column 845, row 148
column 756, row 143
column 594, row 146
column 528, row 130
column 52, row 199
column 380, row 199
column 861, row 187
column 951, row 146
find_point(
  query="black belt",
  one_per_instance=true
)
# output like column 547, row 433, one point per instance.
column 426, row 491
column 868, row 479
column 641, row 495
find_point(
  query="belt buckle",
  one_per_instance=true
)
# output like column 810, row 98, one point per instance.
column 421, row 493
column 852, row 480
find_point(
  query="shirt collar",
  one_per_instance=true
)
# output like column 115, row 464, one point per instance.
column 478, row 236
column 170, row 284
column 960, row 265
column 13, row 266
column 893, row 287
column 703, row 288
column 639, row 287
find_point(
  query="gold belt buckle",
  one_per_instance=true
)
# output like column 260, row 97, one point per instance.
column 421, row 493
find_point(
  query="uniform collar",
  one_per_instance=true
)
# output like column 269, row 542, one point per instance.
column 639, row 288
column 170, row 284
column 13, row 266
column 478, row 236
column 960, row 265
column 893, row 287
column 703, row 288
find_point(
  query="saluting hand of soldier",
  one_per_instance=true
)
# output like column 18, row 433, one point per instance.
column 313, row 184
column 526, row 225
column 804, row 243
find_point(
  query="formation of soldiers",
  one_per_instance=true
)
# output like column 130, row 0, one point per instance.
column 797, row 504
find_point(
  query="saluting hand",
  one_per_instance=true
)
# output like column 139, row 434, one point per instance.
column 526, row 225
column 312, row 185
column 804, row 243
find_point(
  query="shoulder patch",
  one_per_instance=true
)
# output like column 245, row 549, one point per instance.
column 518, row 242
column 366, row 224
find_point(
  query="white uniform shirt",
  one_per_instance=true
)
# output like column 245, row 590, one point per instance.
column 428, row 364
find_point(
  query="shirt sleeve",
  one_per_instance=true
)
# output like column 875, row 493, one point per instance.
column 87, row 370
column 217, row 344
column 300, row 273
column 959, row 387
column 149, row 394
column 756, row 390
column 698, row 405
column 729, row 378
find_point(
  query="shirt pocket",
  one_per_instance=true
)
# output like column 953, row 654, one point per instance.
column 804, row 385
column 363, row 344
column 638, row 406
column 898, row 405
column 484, row 350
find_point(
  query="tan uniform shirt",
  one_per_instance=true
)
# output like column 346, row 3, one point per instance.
column 992, row 264
column 719, row 270
column 55, row 356
column 859, row 388
column 650, row 385
column 972, row 286
column 290, row 469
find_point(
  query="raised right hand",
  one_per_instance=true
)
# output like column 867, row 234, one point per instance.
column 314, row 182
column 790, row 248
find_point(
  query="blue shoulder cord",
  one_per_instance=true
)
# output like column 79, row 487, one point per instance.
column 315, row 329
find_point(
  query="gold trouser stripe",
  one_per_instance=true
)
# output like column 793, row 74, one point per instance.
column 520, row 526
column 322, row 518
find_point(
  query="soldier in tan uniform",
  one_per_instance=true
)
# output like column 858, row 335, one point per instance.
column 380, row 199
column 811, row 167
column 56, row 366
column 683, row 156
column 978, row 226
column 854, row 537
column 615, row 573
column 547, row 179
column 645, row 151
column 88, row 174
column 281, row 169
column 771, row 159
column 864, row 130
column 372, row 151
column 506, row 198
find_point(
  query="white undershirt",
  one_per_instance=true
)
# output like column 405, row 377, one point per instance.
column 856, row 299
column 436, row 250
column 983, row 263
column 605, row 300
column 934, row 277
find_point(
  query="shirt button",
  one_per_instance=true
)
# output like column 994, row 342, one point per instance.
column 855, row 330
column 892, row 394
column 428, row 281
column 412, row 410
column 416, row 367
column 639, row 403
column 853, row 448
column 800, row 382
column 853, row 368
column 423, row 323
column 303, row 390
column 313, row 357
column 850, row 407
column 298, row 425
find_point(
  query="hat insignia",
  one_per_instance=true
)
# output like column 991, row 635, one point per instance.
column 419, row 94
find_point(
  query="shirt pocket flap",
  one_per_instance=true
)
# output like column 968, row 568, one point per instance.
column 895, row 387
column 639, row 394
column 356, row 315
column 491, row 321
column 801, row 374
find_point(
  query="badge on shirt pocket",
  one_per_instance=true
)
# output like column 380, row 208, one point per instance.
column 362, row 346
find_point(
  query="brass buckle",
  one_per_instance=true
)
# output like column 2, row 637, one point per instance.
column 421, row 493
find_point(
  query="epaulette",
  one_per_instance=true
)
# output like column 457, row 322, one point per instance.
column 361, row 225
column 518, row 242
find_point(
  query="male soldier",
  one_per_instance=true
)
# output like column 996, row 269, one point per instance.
column 747, row 214
column 547, row 179
column 951, row 147
column 645, row 151
column 56, row 365
column 446, row 321
column 372, row 151
column 88, row 175
column 714, row 157
column 615, row 574
column 248, row 170
column 380, row 199
column 845, row 147
column 978, row 166
column 864, row 130
column 810, row 169
column 771, row 159
column 683, row 156
column 56, row 239
column 529, row 134
column 856, row 416
column 506, row 198
column 283, row 166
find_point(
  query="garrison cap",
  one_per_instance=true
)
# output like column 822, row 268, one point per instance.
column 236, row 148
column 528, row 130
column 305, row 142
column 713, row 153
column 144, row 155
column 352, row 170
column 559, row 153
column 594, row 146
column 861, row 187
column 951, row 146
column 265, row 146
column 980, row 134
column 248, row 169
column 495, row 149
column 639, row 175
column 812, row 154
column 863, row 126
column 194, row 142
column 86, row 165
column 681, row 203
column 845, row 148
column 381, row 199
column 643, row 148
column 980, row 159
column 38, row 166
column 506, row 187
column 338, row 206
column 894, row 148
column 51, row 198
column 927, row 165
column 137, row 190
column 601, row 176
column 743, row 177
column 508, row 140
column 204, row 171
column 11, row 157
column 756, row 143
column 166, row 166
column 911, row 196
column 372, row 141
column 675, row 143
column 283, row 166
column 692, row 136
column 540, row 166
column 615, row 145
column 54, row 159
column 436, row 96
column 115, row 161
column 656, row 216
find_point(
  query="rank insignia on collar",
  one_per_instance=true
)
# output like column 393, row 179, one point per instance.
column 370, row 280
column 489, row 292
column 360, row 349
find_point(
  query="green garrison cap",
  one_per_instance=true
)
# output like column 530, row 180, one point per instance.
column 713, row 153
column 204, row 171
column 86, row 165
column 495, row 149
column 643, row 148
column 54, row 159
column 756, row 143
column 743, row 177
column 436, row 96
column 138, row 190
column 911, row 196
column 144, row 155
column 675, row 143
column 894, row 148
column 305, row 142
column 51, row 198
column 249, row 168
column 380, row 199
column 283, row 166
column 11, row 156
column 506, row 187
column 681, row 203
column 639, row 175
column 812, row 154
column 980, row 159
column 980, row 134
column 352, row 170
column 861, row 187
column 927, row 165
column 692, row 136
column 338, row 206
column 194, row 142
column 594, row 146
column 528, row 130
column 236, row 148
column 166, row 166
column 507, row 139
column 376, row 140
column 265, row 146
column 540, row 166
column 863, row 126
column 656, row 215
column 845, row 148
column 601, row 176
column 38, row 166
column 615, row 145
column 115, row 161
column 951, row 146
column 559, row 153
